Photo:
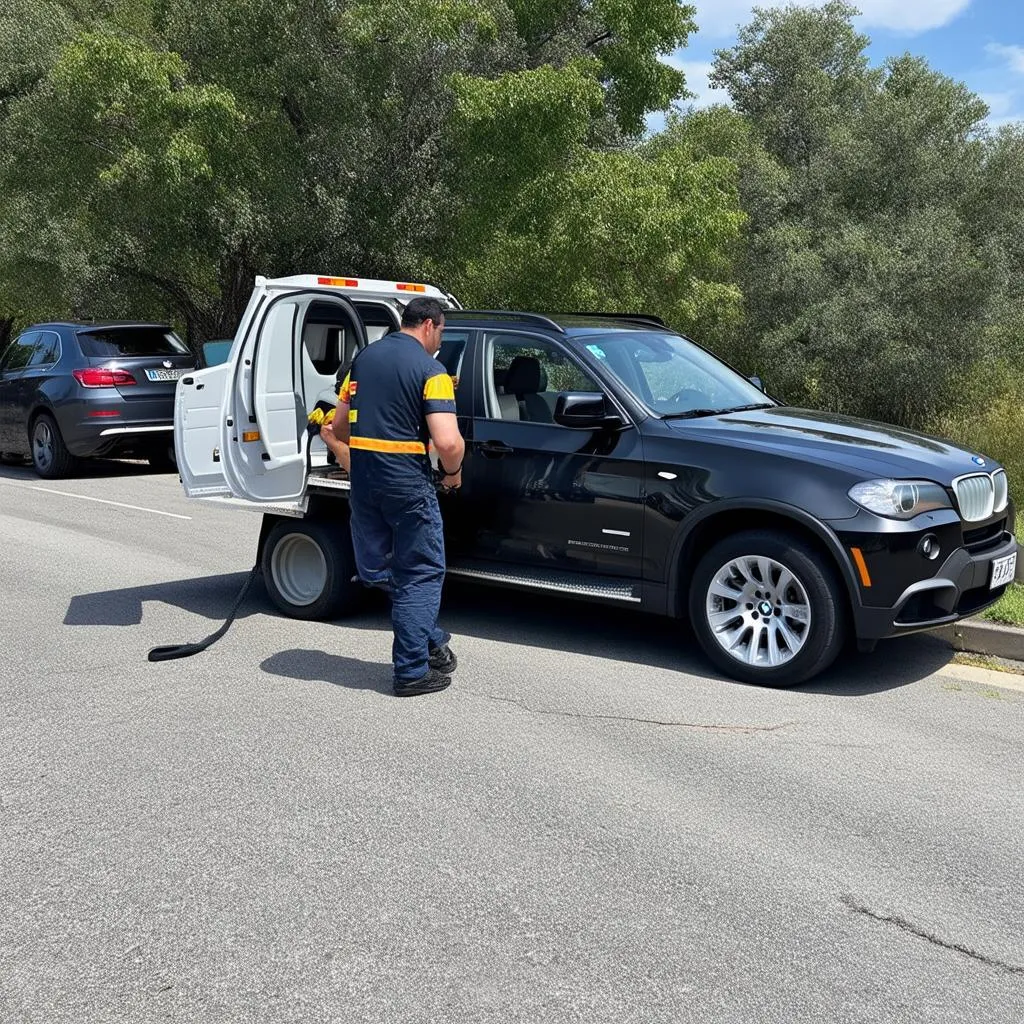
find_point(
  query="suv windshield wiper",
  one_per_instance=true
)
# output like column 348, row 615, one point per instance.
column 693, row 414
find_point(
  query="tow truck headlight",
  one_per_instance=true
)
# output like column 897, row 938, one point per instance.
column 900, row 499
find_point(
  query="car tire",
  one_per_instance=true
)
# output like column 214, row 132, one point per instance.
column 797, row 615
column 50, row 456
column 162, row 459
column 308, row 569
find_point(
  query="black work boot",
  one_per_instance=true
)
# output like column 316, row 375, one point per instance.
column 430, row 683
column 442, row 659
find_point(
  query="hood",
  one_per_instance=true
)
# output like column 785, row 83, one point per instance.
column 869, row 448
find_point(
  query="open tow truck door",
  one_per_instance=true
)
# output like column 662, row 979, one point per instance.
column 271, row 390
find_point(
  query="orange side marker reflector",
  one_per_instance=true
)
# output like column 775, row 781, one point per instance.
column 862, row 566
column 251, row 435
column 411, row 287
column 339, row 282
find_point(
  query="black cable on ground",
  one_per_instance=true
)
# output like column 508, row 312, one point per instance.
column 187, row 650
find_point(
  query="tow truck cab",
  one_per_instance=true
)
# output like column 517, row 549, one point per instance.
column 240, row 426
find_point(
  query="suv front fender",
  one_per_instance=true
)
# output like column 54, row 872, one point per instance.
column 719, row 518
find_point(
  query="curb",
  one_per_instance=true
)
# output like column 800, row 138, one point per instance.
column 979, row 637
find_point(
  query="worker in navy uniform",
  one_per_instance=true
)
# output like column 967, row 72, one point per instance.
column 394, row 402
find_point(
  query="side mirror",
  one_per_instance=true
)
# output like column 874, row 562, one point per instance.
column 216, row 352
column 757, row 382
column 586, row 410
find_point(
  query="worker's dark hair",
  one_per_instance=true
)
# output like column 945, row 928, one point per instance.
column 422, row 309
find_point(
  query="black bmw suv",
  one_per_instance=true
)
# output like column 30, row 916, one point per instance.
column 69, row 390
column 615, row 460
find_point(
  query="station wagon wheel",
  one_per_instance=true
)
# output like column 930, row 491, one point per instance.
column 767, row 608
column 308, row 569
column 50, row 455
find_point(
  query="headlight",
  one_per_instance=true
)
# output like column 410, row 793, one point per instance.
column 900, row 499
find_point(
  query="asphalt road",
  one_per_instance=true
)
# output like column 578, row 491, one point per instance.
column 587, row 826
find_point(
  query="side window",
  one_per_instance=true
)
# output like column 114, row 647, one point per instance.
column 19, row 352
column 451, row 356
column 378, row 319
column 47, row 351
column 526, row 375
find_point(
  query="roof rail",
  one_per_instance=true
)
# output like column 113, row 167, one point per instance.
column 644, row 318
column 505, row 314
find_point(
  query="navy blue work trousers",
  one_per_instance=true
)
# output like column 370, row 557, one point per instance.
column 399, row 543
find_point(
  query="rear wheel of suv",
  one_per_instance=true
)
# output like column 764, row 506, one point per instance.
column 767, row 608
column 308, row 569
column 50, row 456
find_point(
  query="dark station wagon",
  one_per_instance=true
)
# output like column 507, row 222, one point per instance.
column 71, row 391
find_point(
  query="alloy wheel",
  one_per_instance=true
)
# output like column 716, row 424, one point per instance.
column 42, row 445
column 758, row 611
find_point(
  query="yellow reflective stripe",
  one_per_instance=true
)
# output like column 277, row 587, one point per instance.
column 353, row 415
column 439, row 389
column 345, row 394
column 373, row 444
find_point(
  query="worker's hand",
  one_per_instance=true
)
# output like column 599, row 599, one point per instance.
column 450, row 484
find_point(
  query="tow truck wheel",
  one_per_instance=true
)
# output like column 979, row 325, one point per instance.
column 308, row 569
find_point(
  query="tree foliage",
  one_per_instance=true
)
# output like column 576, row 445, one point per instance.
column 168, row 152
column 873, row 272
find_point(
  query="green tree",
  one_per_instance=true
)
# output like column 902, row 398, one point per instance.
column 867, row 279
column 164, row 153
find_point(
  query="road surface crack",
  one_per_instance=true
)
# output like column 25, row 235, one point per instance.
column 904, row 925
column 710, row 727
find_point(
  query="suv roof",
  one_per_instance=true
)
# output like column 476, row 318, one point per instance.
column 90, row 325
column 563, row 323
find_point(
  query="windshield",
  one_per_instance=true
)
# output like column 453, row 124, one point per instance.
column 672, row 376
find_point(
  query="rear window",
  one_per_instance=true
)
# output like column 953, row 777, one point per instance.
column 130, row 341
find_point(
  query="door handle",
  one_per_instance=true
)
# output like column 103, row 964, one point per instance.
column 495, row 449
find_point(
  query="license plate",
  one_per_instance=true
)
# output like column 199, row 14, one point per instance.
column 1003, row 571
column 164, row 374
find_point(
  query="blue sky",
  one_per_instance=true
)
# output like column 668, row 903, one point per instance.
column 979, row 42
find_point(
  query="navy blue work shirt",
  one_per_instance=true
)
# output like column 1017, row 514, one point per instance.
column 391, row 388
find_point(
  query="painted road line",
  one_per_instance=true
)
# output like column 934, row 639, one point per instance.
column 102, row 501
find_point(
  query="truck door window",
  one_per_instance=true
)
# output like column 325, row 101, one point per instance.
column 527, row 374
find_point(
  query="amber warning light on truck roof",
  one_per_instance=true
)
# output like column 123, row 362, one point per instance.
column 339, row 282
column 411, row 287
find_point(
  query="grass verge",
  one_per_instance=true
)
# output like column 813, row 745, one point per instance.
column 1010, row 609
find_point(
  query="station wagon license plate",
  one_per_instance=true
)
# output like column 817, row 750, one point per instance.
column 1003, row 571
column 164, row 374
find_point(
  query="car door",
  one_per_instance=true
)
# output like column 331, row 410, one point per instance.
column 264, row 436
column 17, row 356
column 539, row 493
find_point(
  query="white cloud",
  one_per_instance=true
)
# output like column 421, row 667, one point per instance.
column 999, row 104
column 1013, row 55
column 718, row 19
column 697, row 72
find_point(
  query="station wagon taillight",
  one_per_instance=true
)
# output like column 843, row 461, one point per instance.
column 99, row 377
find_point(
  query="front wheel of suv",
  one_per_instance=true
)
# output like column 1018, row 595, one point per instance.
column 767, row 608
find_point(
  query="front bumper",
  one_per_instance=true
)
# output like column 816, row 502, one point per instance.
column 909, row 594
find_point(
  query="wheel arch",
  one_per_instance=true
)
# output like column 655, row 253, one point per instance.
column 710, row 525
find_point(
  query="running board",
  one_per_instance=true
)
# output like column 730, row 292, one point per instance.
column 336, row 481
column 295, row 510
column 577, row 584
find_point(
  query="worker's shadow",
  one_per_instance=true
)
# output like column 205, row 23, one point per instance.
column 320, row 667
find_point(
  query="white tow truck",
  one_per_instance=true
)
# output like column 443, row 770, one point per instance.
column 240, row 427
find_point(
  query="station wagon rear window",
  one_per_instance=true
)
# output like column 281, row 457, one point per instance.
column 130, row 341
